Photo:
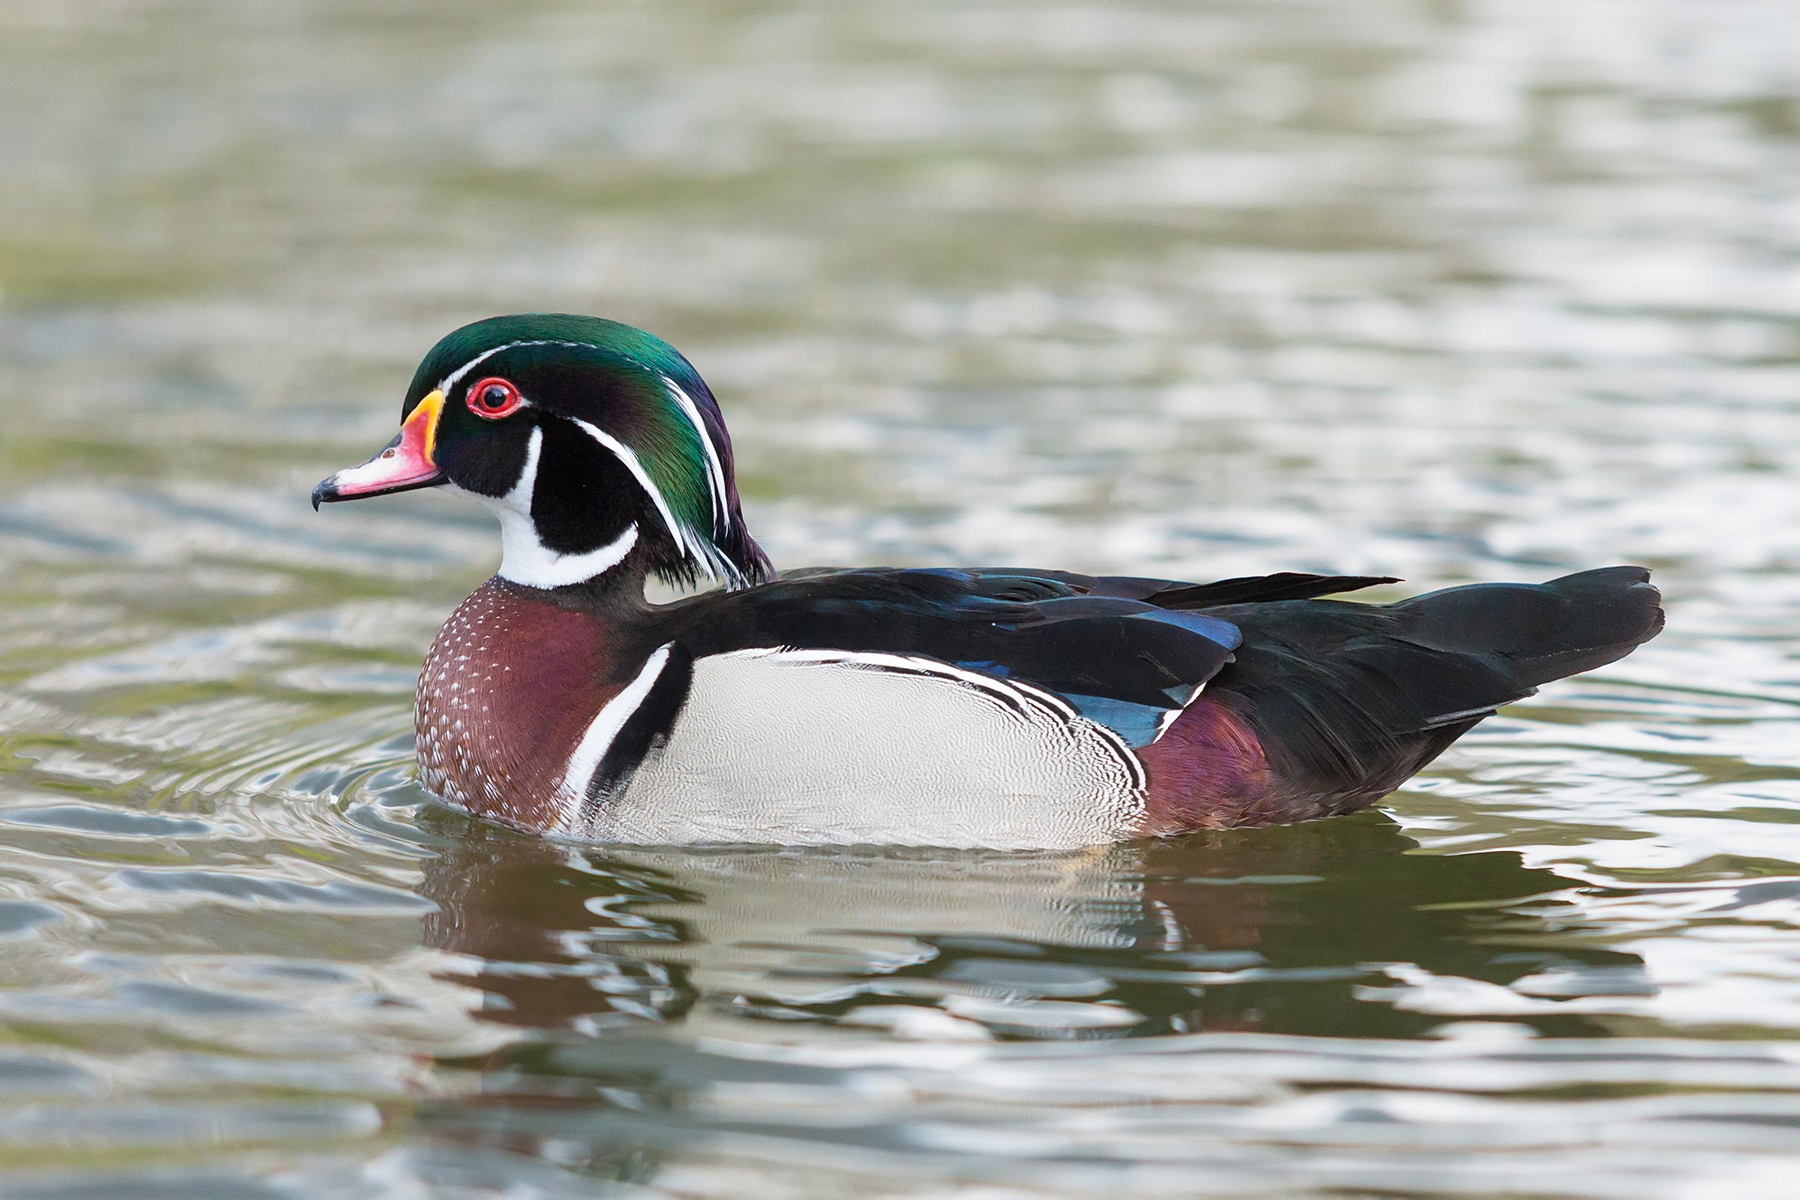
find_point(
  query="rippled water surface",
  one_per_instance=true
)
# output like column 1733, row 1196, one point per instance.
column 1449, row 290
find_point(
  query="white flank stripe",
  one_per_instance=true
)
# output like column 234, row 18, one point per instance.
column 1167, row 719
column 1011, row 688
column 1461, row 715
column 627, row 456
column 714, row 466
column 600, row 734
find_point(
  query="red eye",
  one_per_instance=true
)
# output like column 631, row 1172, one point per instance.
column 493, row 398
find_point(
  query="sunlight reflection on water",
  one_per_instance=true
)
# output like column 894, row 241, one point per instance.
column 1445, row 290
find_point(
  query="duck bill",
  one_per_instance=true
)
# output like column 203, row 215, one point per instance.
column 404, row 464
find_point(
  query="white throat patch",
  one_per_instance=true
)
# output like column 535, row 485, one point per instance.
column 523, row 556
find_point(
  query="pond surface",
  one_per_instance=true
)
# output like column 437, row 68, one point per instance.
column 1449, row 290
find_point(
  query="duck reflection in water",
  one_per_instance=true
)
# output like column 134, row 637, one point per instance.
column 1334, row 930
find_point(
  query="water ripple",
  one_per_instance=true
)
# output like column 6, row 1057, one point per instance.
column 1446, row 292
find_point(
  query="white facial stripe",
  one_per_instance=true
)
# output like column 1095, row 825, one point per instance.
column 689, row 544
column 601, row 732
column 455, row 377
column 523, row 557
column 626, row 455
column 715, row 468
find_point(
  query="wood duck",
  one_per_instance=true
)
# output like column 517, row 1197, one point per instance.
column 987, row 707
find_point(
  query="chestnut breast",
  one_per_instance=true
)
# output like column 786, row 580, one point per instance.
column 511, row 682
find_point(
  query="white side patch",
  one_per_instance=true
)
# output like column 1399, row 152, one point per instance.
column 601, row 731
column 523, row 557
column 1010, row 693
column 715, row 468
column 822, row 747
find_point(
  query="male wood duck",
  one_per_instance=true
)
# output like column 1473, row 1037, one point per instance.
column 950, row 707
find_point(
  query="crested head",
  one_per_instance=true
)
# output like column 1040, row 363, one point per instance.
column 596, row 444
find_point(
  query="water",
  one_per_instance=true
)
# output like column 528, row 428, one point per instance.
column 1447, row 290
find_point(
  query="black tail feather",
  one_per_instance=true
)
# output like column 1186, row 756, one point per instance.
column 1351, row 699
column 1544, row 631
column 1264, row 589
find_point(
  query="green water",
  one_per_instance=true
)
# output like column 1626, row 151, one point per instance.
column 1447, row 290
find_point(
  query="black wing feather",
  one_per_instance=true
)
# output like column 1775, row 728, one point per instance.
column 1044, row 628
column 1354, row 698
column 1347, row 699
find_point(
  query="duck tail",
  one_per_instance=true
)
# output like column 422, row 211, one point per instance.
column 1343, row 701
column 1541, row 631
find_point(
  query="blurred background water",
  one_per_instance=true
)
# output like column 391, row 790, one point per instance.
column 1447, row 289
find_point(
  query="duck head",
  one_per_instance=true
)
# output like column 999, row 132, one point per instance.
column 597, row 445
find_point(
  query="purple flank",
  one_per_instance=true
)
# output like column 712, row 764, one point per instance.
column 1208, row 771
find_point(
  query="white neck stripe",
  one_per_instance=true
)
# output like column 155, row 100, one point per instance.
column 627, row 456
column 543, row 568
column 602, row 731
column 531, row 555
column 715, row 468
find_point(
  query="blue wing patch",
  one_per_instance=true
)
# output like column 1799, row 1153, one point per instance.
column 1083, row 649
column 1137, row 724
column 1214, row 629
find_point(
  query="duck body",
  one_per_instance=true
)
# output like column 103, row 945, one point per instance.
column 1005, row 708
column 997, row 708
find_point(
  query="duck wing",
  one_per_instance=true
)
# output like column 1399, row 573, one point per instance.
column 1101, row 645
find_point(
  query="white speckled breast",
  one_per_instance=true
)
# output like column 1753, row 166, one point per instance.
column 454, row 703
column 505, row 692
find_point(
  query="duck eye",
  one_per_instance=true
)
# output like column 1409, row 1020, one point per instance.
column 493, row 398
